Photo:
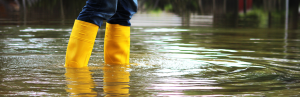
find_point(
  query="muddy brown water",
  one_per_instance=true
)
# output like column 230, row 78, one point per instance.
column 165, row 60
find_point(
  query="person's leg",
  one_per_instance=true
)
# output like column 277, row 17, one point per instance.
column 95, row 11
column 126, row 9
column 85, row 29
column 117, row 33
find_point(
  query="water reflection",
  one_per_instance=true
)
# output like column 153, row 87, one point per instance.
column 80, row 82
column 173, row 61
column 116, row 80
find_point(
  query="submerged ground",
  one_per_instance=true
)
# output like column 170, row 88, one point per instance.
column 167, row 59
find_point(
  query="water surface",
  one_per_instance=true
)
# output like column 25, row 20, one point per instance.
column 167, row 58
column 165, row 61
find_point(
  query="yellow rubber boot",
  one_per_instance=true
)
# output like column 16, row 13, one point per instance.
column 81, row 44
column 116, row 44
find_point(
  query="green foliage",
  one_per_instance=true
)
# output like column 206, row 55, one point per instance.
column 259, row 14
column 168, row 7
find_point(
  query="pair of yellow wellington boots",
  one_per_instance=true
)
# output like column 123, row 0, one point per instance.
column 82, row 39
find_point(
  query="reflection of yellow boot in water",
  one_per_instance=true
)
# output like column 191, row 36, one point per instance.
column 81, row 44
column 116, row 80
column 117, row 44
column 80, row 82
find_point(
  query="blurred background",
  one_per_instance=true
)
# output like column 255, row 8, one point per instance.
column 212, row 13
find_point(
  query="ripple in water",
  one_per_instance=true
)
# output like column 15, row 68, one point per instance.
column 166, row 61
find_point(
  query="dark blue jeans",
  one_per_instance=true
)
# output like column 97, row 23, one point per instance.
column 114, row 11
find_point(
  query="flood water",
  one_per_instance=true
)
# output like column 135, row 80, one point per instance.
column 165, row 61
column 169, row 57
